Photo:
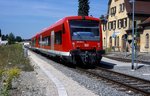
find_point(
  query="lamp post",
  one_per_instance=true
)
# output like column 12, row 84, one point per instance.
column 106, row 32
column 104, row 21
column 132, row 66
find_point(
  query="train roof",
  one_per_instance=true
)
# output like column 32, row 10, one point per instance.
column 61, row 21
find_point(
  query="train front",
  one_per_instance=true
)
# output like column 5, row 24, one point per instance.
column 86, row 39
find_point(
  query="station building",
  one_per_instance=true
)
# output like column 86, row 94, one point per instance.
column 117, row 27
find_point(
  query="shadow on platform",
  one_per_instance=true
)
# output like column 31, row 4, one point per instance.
column 106, row 65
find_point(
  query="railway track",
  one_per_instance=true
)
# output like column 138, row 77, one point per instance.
column 127, row 60
column 130, row 83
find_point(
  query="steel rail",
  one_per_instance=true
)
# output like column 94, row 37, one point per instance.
column 119, row 81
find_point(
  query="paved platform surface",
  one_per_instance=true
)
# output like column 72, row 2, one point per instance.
column 57, row 81
column 139, row 56
column 118, row 63
column 140, row 70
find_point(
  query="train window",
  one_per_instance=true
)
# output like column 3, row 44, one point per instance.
column 63, row 28
column 46, row 41
column 58, row 37
column 39, row 40
column 85, row 30
column 33, row 42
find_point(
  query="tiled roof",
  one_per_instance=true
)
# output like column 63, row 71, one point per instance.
column 146, row 22
column 141, row 6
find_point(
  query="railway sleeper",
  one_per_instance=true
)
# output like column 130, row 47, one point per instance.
column 130, row 81
column 133, row 83
column 117, row 79
column 142, row 85
column 145, row 88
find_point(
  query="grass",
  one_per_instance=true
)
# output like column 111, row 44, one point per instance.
column 12, row 62
column 13, row 56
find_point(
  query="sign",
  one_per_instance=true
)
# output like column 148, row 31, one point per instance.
column 115, row 34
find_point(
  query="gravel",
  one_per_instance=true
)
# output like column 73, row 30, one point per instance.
column 36, row 83
column 99, row 87
column 27, row 85
column 72, row 88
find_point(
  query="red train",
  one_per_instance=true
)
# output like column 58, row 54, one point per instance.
column 76, row 39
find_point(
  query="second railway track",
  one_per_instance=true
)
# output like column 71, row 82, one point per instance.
column 130, row 83
column 127, row 82
column 124, row 59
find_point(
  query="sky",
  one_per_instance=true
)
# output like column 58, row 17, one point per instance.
column 25, row 18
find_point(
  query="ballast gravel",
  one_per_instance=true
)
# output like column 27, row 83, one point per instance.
column 36, row 83
column 99, row 87
column 72, row 88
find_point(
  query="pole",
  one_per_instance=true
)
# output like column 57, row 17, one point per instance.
column 106, row 39
column 132, row 66
column 126, row 48
column 105, row 22
column 136, row 48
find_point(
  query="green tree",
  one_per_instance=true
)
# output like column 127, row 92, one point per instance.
column 11, row 38
column 0, row 33
column 3, row 37
column 6, row 36
column 102, row 17
column 83, row 7
column 18, row 39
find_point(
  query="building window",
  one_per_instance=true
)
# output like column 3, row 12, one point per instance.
column 119, row 23
column 124, row 22
column 113, row 11
column 118, row 41
column 115, row 42
column 104, row 27
column 104, row 41
column 109, row 25
column 147, row 41
column 114, row 25
column 110, row 42
column 135, row 23
column 122, row 7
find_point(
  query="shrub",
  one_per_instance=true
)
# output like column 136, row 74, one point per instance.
column 8, row 76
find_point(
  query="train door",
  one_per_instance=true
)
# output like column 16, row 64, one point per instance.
column 52, row 40
column 40, row 42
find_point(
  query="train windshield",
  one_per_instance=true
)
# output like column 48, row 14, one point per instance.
column 85, row 30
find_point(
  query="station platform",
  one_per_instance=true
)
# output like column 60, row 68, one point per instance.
column 57, row 84
column 115, row 63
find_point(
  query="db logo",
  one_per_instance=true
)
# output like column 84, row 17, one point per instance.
column 86, row 45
